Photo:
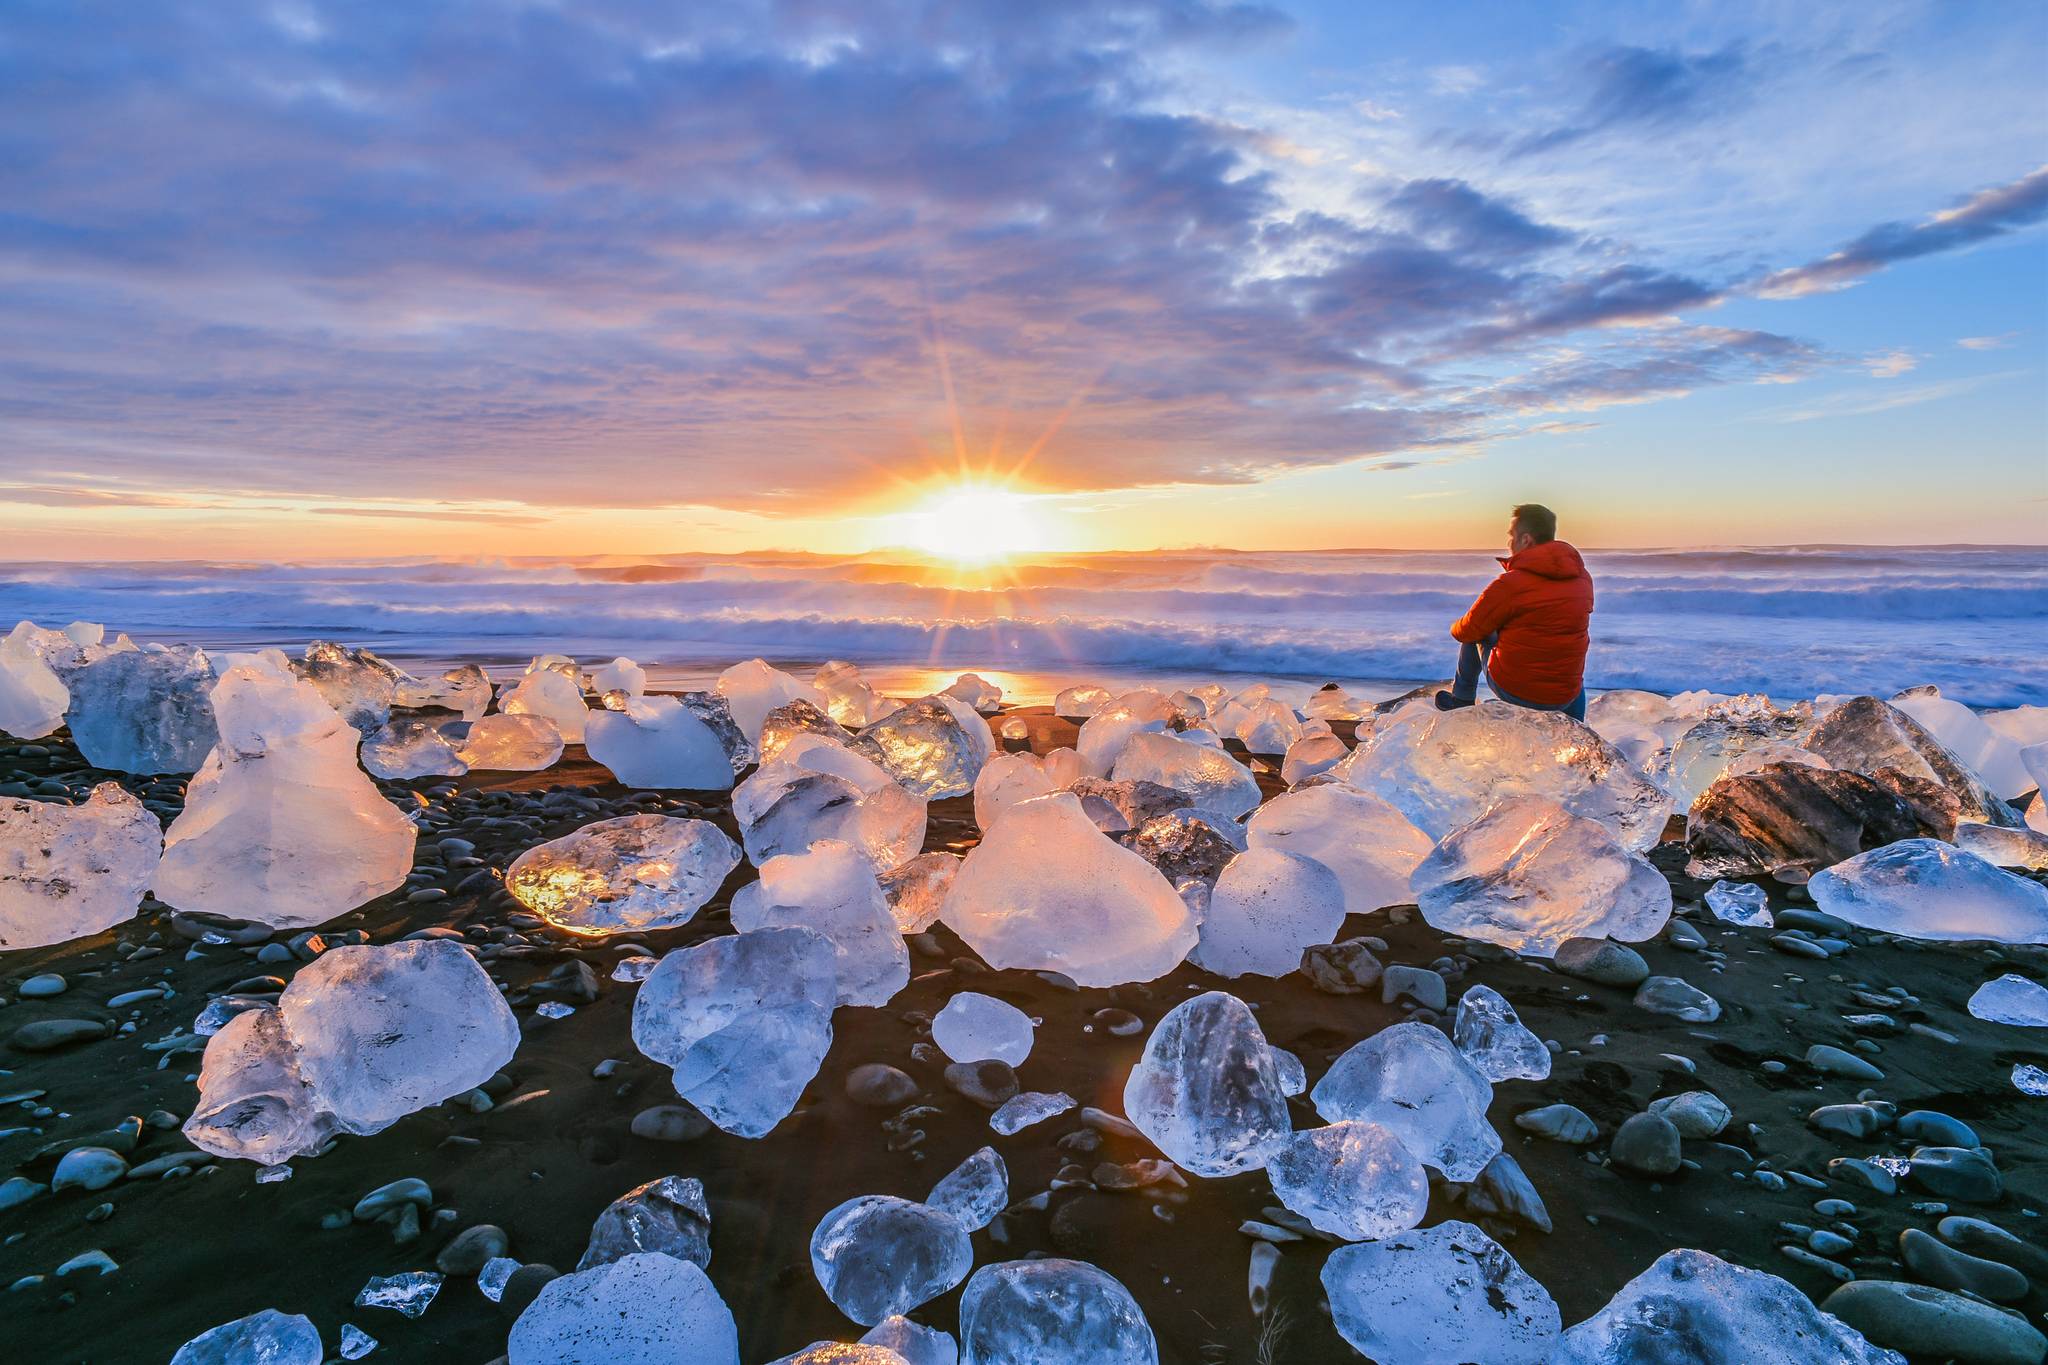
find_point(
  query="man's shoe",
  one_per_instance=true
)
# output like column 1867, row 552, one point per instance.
column 1446, row 701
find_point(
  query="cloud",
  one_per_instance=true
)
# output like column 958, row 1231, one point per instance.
column 1671, row 364
column 1459, row 217
column 1890, row 364
column 1862, row 403
column 1988, row 213
column 1991, row 343
column 1646, row 88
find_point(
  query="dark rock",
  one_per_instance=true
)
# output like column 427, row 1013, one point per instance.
column 1789, row 821
column 1934, row 1324
column 1944, row 1266
column 1647, row 1143
column 1346, row 968
column 1992, row 1242
column 524, row 1286
column 670, row 1123
column 988, row 1083
column 466, row 1253
column 1961, row 1173
column 1678, row 999
column 1601, row 961
column 47, row 1035
column 878, row 1086
column 1931, row 1128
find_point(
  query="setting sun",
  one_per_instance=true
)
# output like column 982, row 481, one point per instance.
column 974, row 523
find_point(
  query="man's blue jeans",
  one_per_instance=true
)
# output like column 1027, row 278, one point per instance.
column 1472, row 662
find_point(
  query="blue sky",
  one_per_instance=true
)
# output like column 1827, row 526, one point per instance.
column 297, row 278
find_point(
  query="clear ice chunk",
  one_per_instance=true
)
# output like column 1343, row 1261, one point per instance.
column 411, row 746
column 842, row 1353
column 1105, row 733
column 974, row 1027
column 1493, row 1038
column 1992, row 756
column 624, row 875
column 1049, row 1312
column 976, row 692
column 1033, row 1106
column 656, row 742
column 1004, row 781
column 265, row 1338
column 145, row 710
column 975, row 1191
column 1443, row 1295
column 1311, row 756
column 755, row 688
column 620, row 675
column 915, row 1343
column 70, row 871
column 466, row 690
column 359, row 686
column 511, row 744
column 643, row 1309
column 917, row 889
column 935, row 746
column 1743, row 903
column 32, row 697
column 1081, row 701
column 877, row 1256
column 666, row 1215
column 551, row 696
column 2011, row 999
column 1528, row 874
column 410, row 1292
column 1413, row 1081
column 1206, row 1091
column 1047, row 891
column 1372, row 847
column 2001, row 847
column 785, row 808
column 1210, row 778
column 1924, row 888
column 280, row 826
column 1353, row 1180
column 1866, row 735
column 1268, row 905
column 743, row 1020
column 831, row 889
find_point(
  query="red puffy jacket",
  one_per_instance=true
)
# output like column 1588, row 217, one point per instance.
column 1539, row 607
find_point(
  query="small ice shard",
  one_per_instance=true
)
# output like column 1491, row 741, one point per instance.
column 916, row 1344
column 1992, row 756
column 1411, row 1080
column 877, row 1256
column 786, row 807
column 935, row 746
column 1372, row 847
column 361, row 1037
column 1210, row 778
column 146, row 710
column 1004, row 781
column 409, row 1292
column 1033, row 1106
column 355, row 1342
column 511, row 744
column 831, row 889
column 1268, row 727
column 976, row 692
column 796, row 719
column 1331, row 702
column 551, row 696
column 917, row 889
column 70, row 871
column 265, row 1338
column 466, row 689
column 1690, row 1306
column 32, row 697
column 1353, row 1180
column 1104, row 734
column 1266, row 907
column 280, row 826
column 744, row 1020
column 1293, row 1075
column 359, row 686
column 1443, row 1296
column 2011, row 999
column 1529, row 874
column 2023, row 848
column 1865, row 735
column 410, row 746
column 975, row 1191
column 1051, row 1310
column 667, row 1215
column 843, row 1353
column 2029, row 1079
column 1442, row 769
column 754, row 688
column 643, row 1309
column 1311, row 756
column 974, row 1027
column 620, row 675
column 490, row 1281
column 1047, row 891
column 1742, row 903
column 1923, row 888
column 555, row 663
column 655, row 742
column 1206, row 1091
column 1081, row 701
column 1493, row 1038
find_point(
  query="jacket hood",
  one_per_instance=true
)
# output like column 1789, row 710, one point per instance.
column 1552, row 559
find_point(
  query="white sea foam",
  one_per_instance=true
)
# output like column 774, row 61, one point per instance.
column 1792, row 622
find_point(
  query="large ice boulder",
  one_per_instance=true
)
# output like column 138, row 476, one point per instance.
column 1445, row 1295
column 1266, row 906
column 877, row 1256
column 32, row 696
column 1372, row 847
column 643, row 1309
column 1924, row 888
column 1047, row 891
column 70, row 871
column 265, row 1338
column 1529, row 874
column 831, row 889
column 1047, row 1310
column 743, row 1020
column 935, row 746
column 280, row 826
column 360, row 686
column 1105, row 733
column 624, row 875
column 146, row 710
column 1693, row 1308
column 1210, row 778
column 361, row 1037
column 1004, row 781
column 1413, row 1082
column 551, row 695
column 1206, row 1091
column 755, row 688
column 1978, row 747
column 412, row 746
column 1789, row 820
column 511, row 744
column 1353, row 1180
column 657, row 742
column 818, row 791
column 1444, row 768
column 1865, row 735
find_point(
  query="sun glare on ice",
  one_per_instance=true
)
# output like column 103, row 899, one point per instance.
column 976, row 523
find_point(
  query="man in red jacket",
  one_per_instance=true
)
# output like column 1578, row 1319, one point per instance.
column 1528, row 629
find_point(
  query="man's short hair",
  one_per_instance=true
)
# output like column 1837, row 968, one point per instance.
column 1539, row 521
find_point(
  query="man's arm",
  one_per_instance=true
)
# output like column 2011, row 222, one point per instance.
column 1487, row 614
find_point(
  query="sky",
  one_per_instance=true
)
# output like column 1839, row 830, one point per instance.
column 300, row 279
